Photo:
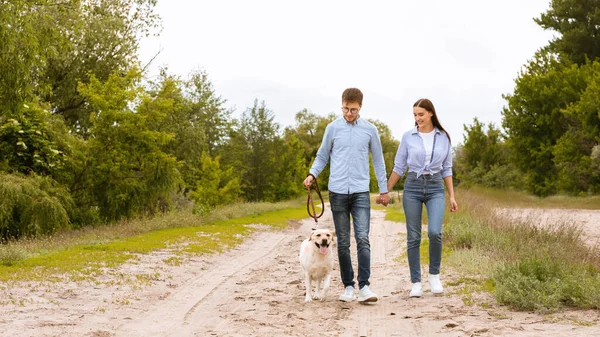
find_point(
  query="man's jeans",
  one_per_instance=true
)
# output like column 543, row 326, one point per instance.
column 359, row 206
column 428, row 190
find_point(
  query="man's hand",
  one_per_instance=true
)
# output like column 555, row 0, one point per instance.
column 383, row 199
column 308, row 181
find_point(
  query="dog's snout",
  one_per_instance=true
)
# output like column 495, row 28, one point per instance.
column 324, row 242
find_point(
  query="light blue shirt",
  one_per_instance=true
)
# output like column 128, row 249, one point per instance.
column 411, row 153
column 348, row 145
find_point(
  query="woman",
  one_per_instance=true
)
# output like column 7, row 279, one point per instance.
column 426, row 151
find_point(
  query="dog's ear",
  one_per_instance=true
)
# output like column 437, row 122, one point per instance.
column 310, row 238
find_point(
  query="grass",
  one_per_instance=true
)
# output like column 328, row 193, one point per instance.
column 82, row 255
column 525, row 266
column 509, row 198
column 394, row 211
column 528, row 267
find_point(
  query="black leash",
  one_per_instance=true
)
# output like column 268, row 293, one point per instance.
column 310, row 204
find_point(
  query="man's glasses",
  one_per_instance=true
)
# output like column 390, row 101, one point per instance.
column 353, row 110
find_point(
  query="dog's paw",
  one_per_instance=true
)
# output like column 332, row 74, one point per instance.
column 317, row 296
column 307, row 299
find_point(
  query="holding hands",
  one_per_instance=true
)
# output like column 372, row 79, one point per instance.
column 383, row 199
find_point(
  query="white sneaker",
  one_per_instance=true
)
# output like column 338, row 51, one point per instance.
column 435, row 284
column 348, row 295
column 366, row 295
column 417, row 290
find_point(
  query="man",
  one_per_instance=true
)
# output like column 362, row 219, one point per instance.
column 347, row 142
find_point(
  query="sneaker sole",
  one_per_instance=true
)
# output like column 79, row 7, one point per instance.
column 347, row 299
column 367, row 300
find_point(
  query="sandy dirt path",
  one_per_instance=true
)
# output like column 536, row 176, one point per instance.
column 256, row 289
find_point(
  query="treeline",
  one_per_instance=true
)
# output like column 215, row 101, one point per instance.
column 550, row 136
column 85, row 138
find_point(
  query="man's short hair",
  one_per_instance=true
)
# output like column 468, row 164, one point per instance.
column 352, row 95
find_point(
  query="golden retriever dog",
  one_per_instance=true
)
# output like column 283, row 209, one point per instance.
column 316, row 258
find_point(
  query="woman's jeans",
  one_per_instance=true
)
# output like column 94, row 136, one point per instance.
column 428, row 190
column 359, row 206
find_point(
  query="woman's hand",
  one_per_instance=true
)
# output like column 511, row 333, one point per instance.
column 453, row 205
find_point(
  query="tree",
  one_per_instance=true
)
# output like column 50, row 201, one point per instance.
column 291, row 169
column 261, row 133
column 33, row 141
column 482, row 159
column 578, row 23
column 32, row 205
column 480, row 147
column 29, row 35
column 309, row 130
column 208, row 111
column 534, row 118
column 99, row 37
column 130, row 173
column 573, row 151
column 215, row 187
column 389, row 146
column 167, row 94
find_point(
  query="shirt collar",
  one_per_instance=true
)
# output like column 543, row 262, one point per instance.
column 353, row 123
column 415, row 130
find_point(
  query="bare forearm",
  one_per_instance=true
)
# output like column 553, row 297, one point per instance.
column 394, row 177
column 449, row 186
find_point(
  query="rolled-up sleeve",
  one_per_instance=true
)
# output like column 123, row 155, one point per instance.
column 447, row 165
column 400, row 162
column 323, row 153
column 378, row 161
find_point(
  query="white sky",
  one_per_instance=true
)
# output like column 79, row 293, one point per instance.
column 463, row 54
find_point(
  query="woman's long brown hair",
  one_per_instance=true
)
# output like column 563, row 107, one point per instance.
column 427, row 105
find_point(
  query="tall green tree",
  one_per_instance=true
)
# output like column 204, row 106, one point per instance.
column 29, row 35
column 577, row 22
column 534, row 118
column 99, row 37
column 130, row 172
column 168, row 94
column 208, row 111
column 573, row 151
column 261, row 133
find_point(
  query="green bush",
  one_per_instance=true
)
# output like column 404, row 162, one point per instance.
column 535, row 267
column 544, row 285
column 32, row 205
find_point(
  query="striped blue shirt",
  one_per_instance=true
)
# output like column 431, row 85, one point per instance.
column 411, row 153
column 348, row 145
